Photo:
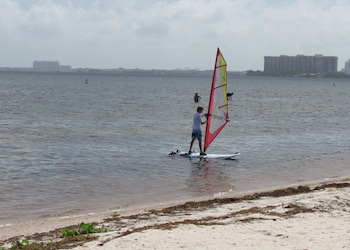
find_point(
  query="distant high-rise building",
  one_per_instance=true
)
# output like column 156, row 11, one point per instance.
column 300, row 64
column 46, row 65
column 50, row 66
column 347, row 67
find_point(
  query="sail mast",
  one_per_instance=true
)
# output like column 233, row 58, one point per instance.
column 218, row 105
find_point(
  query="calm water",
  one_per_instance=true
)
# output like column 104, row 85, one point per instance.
column 70, row 146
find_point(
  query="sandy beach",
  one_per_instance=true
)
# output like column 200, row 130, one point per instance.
column 313, row 216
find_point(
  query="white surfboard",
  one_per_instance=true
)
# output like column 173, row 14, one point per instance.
column 207, row 156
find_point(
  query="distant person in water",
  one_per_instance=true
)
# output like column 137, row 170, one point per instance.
column 229, row 96
column 196, row 129
column 196, row 97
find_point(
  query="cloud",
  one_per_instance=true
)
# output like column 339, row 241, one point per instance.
column 170, row 34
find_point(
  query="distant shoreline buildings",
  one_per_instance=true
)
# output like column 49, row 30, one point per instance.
column 278, row 66
column 300, row 64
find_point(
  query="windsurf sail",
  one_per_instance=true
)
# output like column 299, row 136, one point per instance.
column 218, row 105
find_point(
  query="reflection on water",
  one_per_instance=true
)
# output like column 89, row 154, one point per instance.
column 207, row 177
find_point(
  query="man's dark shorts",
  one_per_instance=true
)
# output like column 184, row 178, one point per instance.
column 197, row 135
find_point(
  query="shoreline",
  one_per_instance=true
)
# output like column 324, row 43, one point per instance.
column 74, row 215
column 151, row 218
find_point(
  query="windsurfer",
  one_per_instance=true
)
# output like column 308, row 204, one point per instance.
column 196, row 130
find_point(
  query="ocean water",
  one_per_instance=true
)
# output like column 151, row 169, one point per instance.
column 70, row 147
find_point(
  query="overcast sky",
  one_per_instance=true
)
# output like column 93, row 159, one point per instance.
column 169, row 34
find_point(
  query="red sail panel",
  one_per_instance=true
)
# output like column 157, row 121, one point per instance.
column 218, row 105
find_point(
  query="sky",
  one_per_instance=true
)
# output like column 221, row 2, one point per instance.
column 170, row 34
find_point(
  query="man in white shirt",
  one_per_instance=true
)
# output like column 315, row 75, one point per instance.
column 196, row 130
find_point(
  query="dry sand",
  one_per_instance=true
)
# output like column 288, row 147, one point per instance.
column 308, row 217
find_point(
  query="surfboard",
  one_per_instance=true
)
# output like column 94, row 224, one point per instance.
column 207, row 156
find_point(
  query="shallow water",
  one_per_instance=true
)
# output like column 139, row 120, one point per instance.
column 66, row 145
